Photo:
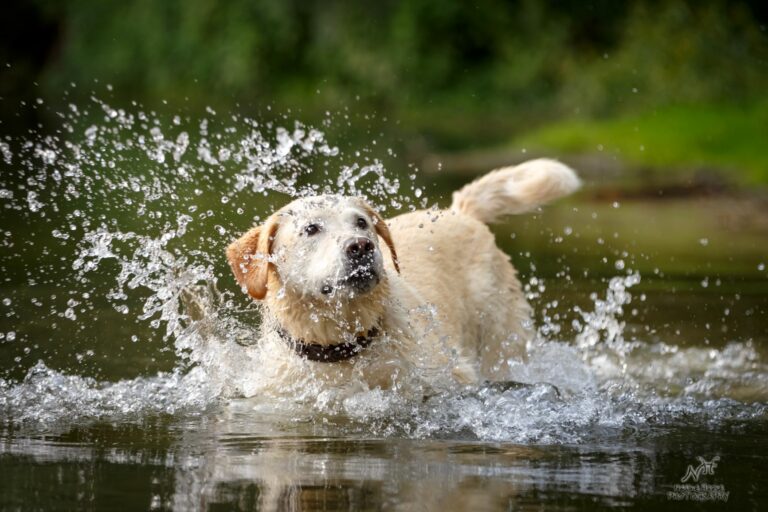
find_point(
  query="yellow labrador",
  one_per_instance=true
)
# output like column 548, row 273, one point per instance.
column 347, row 295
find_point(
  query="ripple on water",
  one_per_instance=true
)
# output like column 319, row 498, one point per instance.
column 128, row 200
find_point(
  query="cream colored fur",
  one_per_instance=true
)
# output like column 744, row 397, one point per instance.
column 454, row 312
column 515, row 190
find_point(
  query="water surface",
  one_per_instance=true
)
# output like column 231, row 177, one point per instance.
column 114, row 394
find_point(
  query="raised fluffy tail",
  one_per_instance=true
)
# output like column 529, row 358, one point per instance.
column 517, row 189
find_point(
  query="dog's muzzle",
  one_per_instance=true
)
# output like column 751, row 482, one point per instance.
column 361, row 274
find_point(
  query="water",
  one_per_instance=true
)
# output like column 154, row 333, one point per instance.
column 131, row 371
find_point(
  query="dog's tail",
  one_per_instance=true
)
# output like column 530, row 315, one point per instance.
column 517, row 189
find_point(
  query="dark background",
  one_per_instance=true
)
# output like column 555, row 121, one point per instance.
column 493, row 76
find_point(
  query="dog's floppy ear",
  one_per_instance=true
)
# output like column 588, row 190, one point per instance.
column 249, row 258
column 383, row 231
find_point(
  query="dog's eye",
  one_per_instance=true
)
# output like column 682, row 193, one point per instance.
column 311, row 229
column 362, row 223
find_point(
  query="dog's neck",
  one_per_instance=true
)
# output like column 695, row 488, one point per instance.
column 328, row 322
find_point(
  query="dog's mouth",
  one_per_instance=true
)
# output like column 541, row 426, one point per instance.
column 361, row 278
column 362, row 275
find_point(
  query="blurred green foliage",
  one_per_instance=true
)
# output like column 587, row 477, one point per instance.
column 679, row 140
column 458, row 74
column 488, row 52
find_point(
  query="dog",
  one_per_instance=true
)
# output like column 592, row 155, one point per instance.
column 347, row 296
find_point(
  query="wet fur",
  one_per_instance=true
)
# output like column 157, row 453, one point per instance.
column 447, row 299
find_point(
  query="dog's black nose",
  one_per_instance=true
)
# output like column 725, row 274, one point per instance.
column 358, row 248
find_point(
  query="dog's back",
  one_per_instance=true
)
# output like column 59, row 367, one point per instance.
column 451, row 260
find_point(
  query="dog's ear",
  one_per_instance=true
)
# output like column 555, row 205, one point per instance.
column 383, row 231
column 249, row 255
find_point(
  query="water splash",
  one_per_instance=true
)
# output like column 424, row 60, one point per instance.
column 129, row 211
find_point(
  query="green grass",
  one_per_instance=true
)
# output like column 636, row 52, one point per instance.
column 728, row 138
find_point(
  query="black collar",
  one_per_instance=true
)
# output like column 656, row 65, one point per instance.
column 329, row 353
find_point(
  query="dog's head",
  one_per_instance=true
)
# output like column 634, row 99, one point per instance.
column 321, row 248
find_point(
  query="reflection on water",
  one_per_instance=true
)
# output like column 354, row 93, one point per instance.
column 235, row 460
column 127, row 351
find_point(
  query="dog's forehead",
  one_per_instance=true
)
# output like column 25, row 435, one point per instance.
column 318, row 207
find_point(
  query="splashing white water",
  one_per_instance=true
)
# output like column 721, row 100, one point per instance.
column 146, row 207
